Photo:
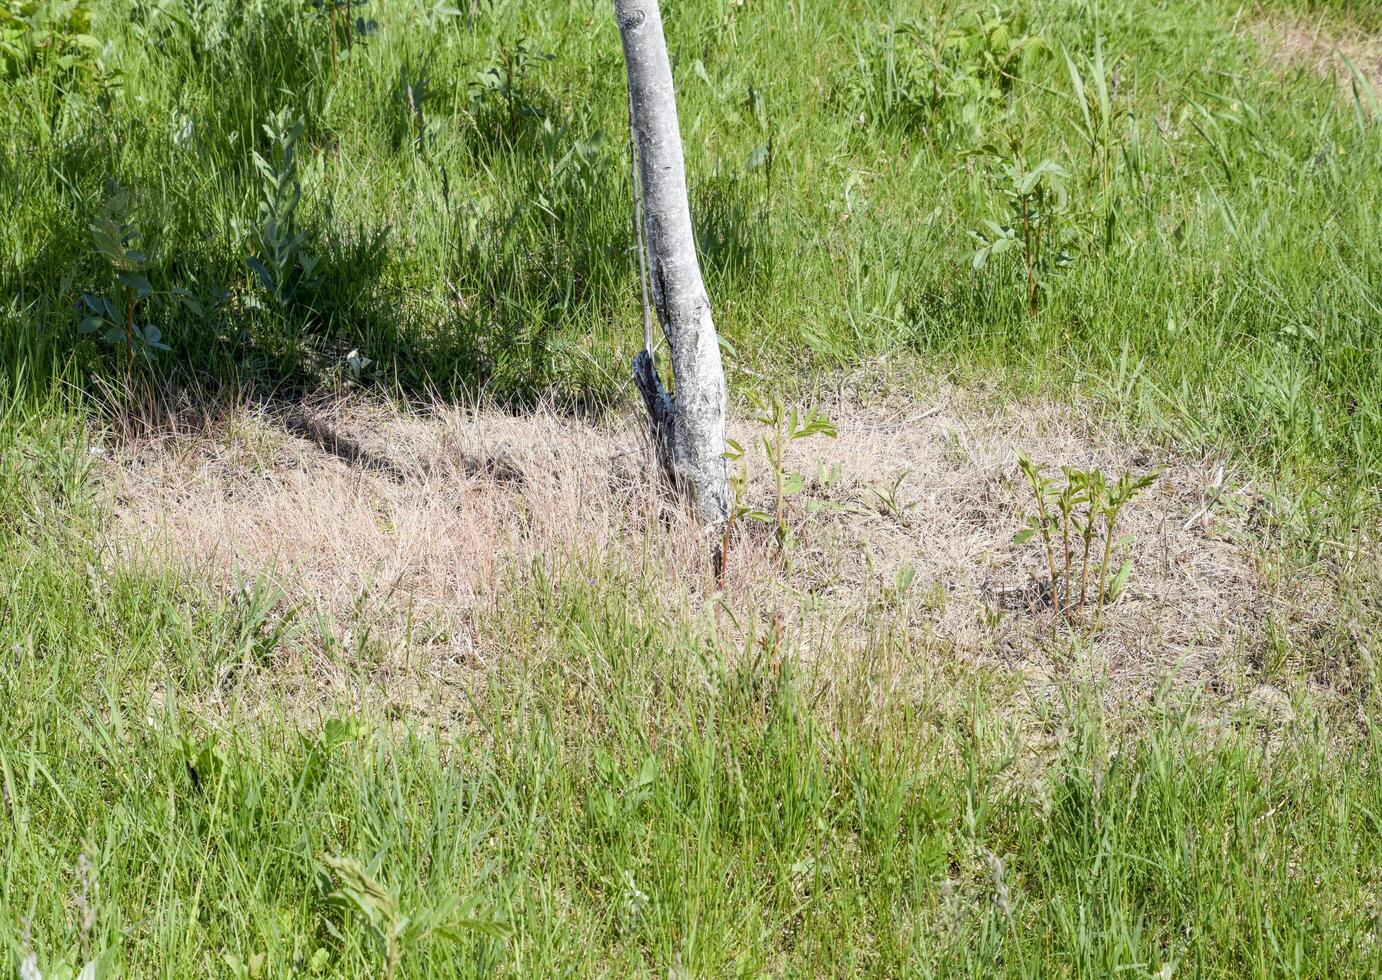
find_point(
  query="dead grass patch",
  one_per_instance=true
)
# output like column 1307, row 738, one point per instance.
column 1319, row 45
column 413, row 524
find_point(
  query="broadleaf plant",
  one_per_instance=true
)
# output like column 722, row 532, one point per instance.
column 1076, row 524
column 112, row 315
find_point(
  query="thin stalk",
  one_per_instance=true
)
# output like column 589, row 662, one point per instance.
column 720, row 561
column 1027, row 255
column 1065, row 546
column 1103, row 570
column 508, row 91
column 777, row 476
column 1046, row 535
column 333, row 40
column 129, row 330
column 1084, row 562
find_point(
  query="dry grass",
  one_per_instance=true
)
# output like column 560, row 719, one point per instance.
column 1320, row 45
column 390, row 522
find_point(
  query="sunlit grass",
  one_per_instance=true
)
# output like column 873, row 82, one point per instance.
column 630, row 788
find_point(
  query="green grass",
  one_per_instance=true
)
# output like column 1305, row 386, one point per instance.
column 633, row 791
column 1223, row 226
column 632, row 794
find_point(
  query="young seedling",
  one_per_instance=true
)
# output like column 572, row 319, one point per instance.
column 284, row 268
column 112, row 315
column 1118, row 496
column 1037, row 231
column 783, row 426
column 1079, row 518
column 1040, row 523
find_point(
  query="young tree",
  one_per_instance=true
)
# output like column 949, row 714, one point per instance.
column 688, row 427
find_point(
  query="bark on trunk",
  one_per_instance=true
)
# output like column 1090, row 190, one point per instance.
column 689, row 427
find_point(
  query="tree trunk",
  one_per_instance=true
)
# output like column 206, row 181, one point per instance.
column 688, row 428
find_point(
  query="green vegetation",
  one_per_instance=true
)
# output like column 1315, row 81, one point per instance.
column 632, row 793
column 1126, row 202
column 1080, row 515
column 1210, row 268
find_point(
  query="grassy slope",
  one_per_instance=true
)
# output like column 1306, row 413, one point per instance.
column 1233, row 301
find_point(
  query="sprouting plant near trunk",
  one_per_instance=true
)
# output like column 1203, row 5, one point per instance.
column 1037, row 227
column 782, row 427
column 1077, row 524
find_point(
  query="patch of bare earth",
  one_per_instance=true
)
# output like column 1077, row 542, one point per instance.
column 408, row 524
column 1321, row 46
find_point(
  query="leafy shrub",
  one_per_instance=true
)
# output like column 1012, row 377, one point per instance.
column 940, row 77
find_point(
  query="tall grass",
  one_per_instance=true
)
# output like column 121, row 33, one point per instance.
column 461, row 181
column 630, row 793
column 631, row 788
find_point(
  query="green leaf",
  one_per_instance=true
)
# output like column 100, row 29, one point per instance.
column 647, row 773
column 455, row 929
column 266, row 278
column 1115, row 587
column 133, row 280
column 185, row 297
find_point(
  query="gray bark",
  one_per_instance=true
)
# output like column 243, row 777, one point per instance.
column 689, row 427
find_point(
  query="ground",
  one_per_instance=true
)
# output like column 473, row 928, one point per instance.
column 402, row 521
column 345, row 630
